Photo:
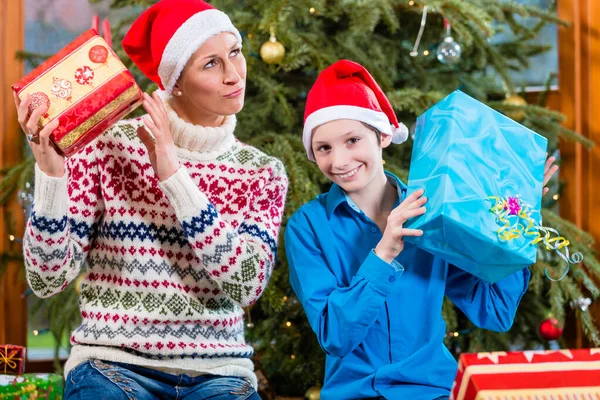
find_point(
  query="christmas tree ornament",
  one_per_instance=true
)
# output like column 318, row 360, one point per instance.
column 272, row 51
column 550, row 329
column 314, row 393
column 78, row 282
column 412, row 130
column 583, row 303
column 448, row 52
column 25, row 198
column 415, row 50
column 515, row 100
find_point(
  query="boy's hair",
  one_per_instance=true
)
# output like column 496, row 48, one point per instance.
column 372, row 128
column 369, row 127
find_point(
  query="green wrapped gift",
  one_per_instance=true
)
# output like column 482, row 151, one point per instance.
column 49, row 386
column 17, row 388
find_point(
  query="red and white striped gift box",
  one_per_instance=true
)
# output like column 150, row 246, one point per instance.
column 529, row 375
column 85, row 86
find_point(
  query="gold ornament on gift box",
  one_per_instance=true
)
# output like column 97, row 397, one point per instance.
column 314, row 393
column 272, row 51
column 515, row 100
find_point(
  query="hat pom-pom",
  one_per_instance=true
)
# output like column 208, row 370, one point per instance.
column 399, row 134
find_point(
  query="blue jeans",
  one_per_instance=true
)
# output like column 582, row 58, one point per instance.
column 98, row 380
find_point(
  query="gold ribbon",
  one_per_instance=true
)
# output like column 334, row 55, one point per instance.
column 515, row 218
column 9, row 360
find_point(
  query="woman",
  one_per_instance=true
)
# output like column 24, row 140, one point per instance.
column 175, row 220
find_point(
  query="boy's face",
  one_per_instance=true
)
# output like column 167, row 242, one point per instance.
column 348, row 153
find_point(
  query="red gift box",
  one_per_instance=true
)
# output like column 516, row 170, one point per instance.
column 85, row 86
column 529, row 375
column 12, row 359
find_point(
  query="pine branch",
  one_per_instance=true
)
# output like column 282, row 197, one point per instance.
column 14, row 178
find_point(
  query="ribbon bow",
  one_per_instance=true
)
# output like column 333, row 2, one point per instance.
column 515, row 218
column 9, row 360
column 105, row 28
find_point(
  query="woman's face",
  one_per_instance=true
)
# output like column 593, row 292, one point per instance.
column 213, row 83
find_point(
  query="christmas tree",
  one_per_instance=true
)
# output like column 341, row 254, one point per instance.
column 419, row 51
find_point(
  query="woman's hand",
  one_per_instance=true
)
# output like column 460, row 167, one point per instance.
column 162, row 153
column 47, row 157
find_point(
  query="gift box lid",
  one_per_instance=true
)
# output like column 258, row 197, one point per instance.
column 533, row 372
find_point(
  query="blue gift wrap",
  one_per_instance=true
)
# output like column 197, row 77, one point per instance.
column 465, row 154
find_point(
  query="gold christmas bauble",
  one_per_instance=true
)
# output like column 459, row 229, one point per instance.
column 314, row 393
column 77, row 283
column 272, row 52
column 514, row 100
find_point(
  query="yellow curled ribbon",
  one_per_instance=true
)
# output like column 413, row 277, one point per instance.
column 9, row 360
column 515, row 220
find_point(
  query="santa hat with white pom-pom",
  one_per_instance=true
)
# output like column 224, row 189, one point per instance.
column 346, row 90
column 163, row 39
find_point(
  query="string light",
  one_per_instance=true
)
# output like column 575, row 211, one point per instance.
column 288, row 324
column 459, row 333
column 250, row 36
column 411, row 3
column 426, row 53
column 13, row 238
column 35, row 333
column 292, row 356
column 284, row 299
column 312, row 10
column 555, row 197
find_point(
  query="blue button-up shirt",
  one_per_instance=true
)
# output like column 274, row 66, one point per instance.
column 380, row 324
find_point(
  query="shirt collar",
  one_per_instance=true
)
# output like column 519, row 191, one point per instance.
column 337, row 196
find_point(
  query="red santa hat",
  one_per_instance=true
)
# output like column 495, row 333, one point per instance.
column 346, row 90
column 162, row 40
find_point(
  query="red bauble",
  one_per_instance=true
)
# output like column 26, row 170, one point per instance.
column 84, row 75
column 38, row 99
column 550, row 329
column 98, row 54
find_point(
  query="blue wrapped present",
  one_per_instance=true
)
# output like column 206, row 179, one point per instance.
column 482, row 173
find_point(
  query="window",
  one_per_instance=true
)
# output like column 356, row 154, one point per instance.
column 543, row 65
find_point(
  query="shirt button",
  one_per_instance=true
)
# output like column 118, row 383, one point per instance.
column 392, row 279
column 373, row 229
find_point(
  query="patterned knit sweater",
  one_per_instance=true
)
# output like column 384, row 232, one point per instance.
column 169, row 264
